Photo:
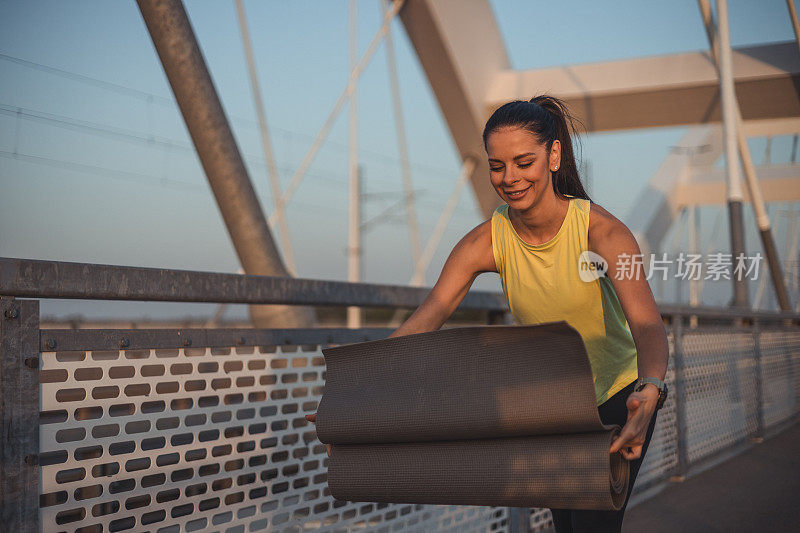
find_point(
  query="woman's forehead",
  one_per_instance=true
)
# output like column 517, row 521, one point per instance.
column 513, row 140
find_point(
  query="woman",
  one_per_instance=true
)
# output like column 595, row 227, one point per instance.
column 536, row 242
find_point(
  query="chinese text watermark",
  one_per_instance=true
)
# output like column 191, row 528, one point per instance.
column 684, row 266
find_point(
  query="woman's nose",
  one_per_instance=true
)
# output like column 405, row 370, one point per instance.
column 510, row 178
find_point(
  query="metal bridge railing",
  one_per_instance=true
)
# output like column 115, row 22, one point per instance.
column 194, row 429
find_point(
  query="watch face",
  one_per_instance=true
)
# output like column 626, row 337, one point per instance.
column 662, row 397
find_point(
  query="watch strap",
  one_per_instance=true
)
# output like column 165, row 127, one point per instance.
column 641, row 382
column 662, row 389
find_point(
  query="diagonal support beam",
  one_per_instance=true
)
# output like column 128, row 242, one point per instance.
column 190, row 80
column 462, row 52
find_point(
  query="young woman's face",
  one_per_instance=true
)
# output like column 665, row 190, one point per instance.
column 519, row 166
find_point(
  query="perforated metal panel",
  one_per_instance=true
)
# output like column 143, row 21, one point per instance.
column 541, row 520
column 200, row 439
column 215, row 439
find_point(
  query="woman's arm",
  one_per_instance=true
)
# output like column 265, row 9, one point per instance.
column 470, row 257
column 612, row 240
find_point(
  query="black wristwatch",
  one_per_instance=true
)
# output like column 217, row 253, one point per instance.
column 662, row 389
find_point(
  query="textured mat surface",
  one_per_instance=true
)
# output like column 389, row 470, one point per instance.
column 493, row 415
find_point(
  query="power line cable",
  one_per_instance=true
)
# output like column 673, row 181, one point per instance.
column 100, row 171
column 168, row 102
column 114, row 87
column 140, row 138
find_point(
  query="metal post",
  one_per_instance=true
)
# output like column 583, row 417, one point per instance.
column 759, row 434
column 354, row 211
column 680, row 398
column 19, row 415
column 205, row 119
column 519, row 520
column 734, row 182
column 684, row 219
column 762, row 218
column 694, row 248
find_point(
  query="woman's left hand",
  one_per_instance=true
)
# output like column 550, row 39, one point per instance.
column 641, row 406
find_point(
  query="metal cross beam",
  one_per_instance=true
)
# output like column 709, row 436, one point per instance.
column 462, row 53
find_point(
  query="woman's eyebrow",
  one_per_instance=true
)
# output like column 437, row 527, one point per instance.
column 520, row 156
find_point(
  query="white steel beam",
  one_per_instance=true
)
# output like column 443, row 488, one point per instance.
column 462, row 53
column 461, row 50
column 669, row 90
column 779, row 183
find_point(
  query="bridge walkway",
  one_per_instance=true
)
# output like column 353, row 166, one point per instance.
column 757, row 490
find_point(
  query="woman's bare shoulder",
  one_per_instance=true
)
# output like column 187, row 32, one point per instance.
column 608, row 234
column 602, row 223
column 481, row 232
column 476, row 247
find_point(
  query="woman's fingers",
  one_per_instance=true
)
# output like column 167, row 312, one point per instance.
column 630, row 440
column 632, row 434
column 631, row 452
column 622, row 439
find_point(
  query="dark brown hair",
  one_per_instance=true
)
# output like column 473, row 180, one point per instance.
column 548, row 119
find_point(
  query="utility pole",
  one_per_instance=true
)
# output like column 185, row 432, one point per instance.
column 354, row 216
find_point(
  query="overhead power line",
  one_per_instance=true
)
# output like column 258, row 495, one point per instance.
column 107, row 85
column 100, row 171
column 168, row 102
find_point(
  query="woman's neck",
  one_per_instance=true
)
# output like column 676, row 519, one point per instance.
column 540, row 223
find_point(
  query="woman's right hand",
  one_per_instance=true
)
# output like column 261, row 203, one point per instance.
column 313, row 419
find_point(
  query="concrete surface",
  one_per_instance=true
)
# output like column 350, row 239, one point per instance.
column 758, row 490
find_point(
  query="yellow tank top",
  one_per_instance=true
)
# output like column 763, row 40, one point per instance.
column 542, row 284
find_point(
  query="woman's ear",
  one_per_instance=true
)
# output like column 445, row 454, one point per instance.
column 555, row 155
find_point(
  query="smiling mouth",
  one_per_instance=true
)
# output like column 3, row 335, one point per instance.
column 517, row 194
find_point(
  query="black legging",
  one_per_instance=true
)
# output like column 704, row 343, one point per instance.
column 612, row 411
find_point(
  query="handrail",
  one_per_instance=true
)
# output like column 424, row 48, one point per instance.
column 58, row 279
column 670, row 310
column 66, row 280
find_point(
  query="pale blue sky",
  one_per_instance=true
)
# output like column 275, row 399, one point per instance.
column 94, row 173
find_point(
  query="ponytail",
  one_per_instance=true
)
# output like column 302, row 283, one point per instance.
column 548, row 119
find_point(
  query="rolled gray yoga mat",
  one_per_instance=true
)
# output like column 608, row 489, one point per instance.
column 491, row 415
